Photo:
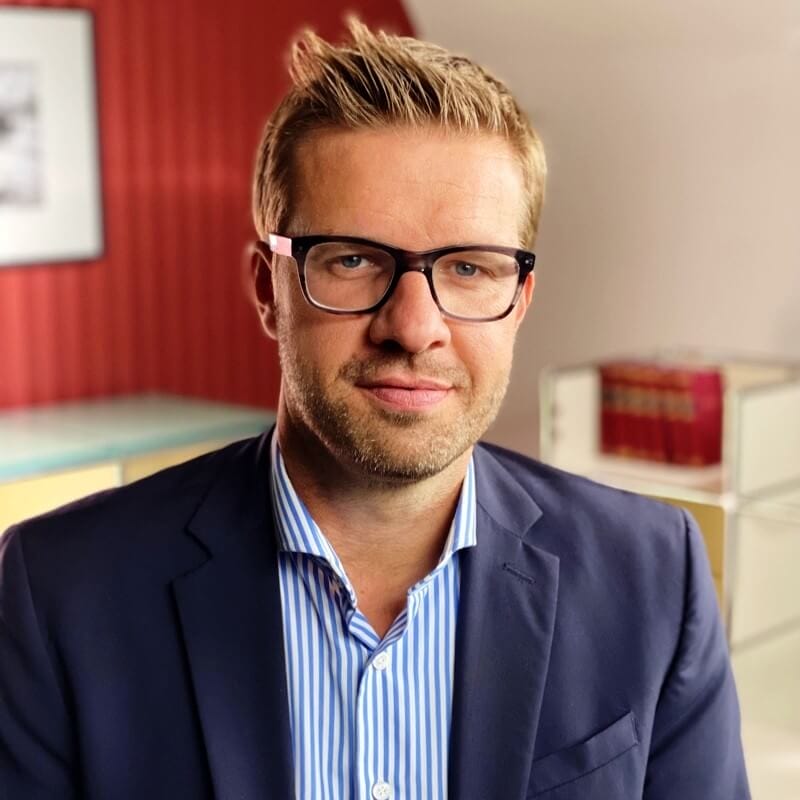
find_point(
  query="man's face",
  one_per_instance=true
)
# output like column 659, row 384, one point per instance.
column 401, row 393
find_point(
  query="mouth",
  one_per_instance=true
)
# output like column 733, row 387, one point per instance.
column 400, row 393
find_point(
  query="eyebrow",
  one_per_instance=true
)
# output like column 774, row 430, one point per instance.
column 294, row 226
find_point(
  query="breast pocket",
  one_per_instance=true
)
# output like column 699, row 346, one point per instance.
column 578, row 760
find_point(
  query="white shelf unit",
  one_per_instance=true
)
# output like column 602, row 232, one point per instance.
column 757, row 484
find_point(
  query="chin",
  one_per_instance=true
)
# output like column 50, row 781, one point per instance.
column 398, row 453
column 391, row 467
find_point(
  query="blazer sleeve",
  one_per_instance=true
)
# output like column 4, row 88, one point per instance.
column 696, row 748
column 37, row 749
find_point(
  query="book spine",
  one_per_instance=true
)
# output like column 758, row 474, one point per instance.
column 653, row 428
column 607, row 409
column 626, row 426
column 706, row 429
column 685, row 415
column 640, row 433
column 613, row 422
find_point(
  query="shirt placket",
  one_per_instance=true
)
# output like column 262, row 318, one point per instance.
column 377, row 775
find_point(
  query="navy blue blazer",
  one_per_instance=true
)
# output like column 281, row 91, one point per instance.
column 141, row 650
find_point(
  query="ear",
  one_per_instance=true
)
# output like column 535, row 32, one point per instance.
column 525, row 298
column 258, row 278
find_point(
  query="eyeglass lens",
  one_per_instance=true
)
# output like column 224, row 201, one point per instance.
column 469, row 283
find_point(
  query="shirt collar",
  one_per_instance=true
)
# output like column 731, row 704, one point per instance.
column 298, row 533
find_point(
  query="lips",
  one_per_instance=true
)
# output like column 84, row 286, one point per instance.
column 412, row 384
column 402, row 393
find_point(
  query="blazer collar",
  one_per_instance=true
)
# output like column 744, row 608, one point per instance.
column 507, row 608
column 501, row 496
column 230, row 614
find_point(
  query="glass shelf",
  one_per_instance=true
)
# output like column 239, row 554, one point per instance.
column 761, row 432
column 756, row 484
column 67, row 435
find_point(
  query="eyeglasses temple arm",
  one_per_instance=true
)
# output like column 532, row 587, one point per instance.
column 280, row 245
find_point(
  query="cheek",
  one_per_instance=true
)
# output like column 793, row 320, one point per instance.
column 319, row 340
column 486, row 352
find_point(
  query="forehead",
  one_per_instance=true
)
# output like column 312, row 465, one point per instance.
column 413, row 188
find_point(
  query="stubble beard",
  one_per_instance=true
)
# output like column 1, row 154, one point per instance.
column 386, row 446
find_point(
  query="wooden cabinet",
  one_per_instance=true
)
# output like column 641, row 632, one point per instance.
column 53, row 455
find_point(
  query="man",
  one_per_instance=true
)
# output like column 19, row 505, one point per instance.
column 364, row 603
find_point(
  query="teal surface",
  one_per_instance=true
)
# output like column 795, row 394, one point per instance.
column 40, row 440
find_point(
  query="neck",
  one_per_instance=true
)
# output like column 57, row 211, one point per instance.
column 384, row 530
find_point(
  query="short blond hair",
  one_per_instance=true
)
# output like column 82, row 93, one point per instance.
column 377, row 79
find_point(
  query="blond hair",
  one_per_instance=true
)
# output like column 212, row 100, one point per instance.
column 378, row 79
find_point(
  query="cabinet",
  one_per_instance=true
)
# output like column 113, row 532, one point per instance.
column 55, row 454
column 756, row 487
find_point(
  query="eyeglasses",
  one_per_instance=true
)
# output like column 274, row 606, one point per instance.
column 349, row 275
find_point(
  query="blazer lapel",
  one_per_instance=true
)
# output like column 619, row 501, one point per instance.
column 505, row 627
column 230, row 612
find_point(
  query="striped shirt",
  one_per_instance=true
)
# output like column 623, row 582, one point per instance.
column 370, row 717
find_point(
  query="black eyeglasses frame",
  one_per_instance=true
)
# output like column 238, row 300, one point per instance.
column 297, row 248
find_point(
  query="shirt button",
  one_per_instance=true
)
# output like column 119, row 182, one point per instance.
column 380, row 662
column 381, row 791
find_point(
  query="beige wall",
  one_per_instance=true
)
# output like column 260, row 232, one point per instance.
column 673, row 210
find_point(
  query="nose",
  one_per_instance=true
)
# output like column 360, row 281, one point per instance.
column 410, row 317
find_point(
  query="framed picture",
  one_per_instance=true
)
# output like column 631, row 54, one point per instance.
column 50, row 197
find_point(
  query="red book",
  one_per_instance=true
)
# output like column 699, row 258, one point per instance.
column 661, row 388
column 621, row 423
column 609, row 409
column 626, row 429
column 695, row 416
column 705, row 436
column 637, row 410
column 652, row 423
column 678, row 415
column 661, row 413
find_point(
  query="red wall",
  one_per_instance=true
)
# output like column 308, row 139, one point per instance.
column 184, row 87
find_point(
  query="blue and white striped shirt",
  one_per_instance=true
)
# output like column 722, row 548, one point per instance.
column 370, row 718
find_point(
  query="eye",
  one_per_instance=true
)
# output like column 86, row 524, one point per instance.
column 352, row 261
column 464, row 270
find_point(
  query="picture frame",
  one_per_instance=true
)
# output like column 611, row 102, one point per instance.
column 50, row 182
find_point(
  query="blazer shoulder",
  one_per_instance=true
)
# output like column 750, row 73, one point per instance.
column 549, row 484
column 589, row 510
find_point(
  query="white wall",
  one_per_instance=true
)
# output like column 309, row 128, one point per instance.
column 673, row 209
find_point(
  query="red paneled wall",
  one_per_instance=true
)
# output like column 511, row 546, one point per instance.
column 184, row 87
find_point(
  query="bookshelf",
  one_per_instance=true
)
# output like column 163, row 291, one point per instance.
column 756, row 486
